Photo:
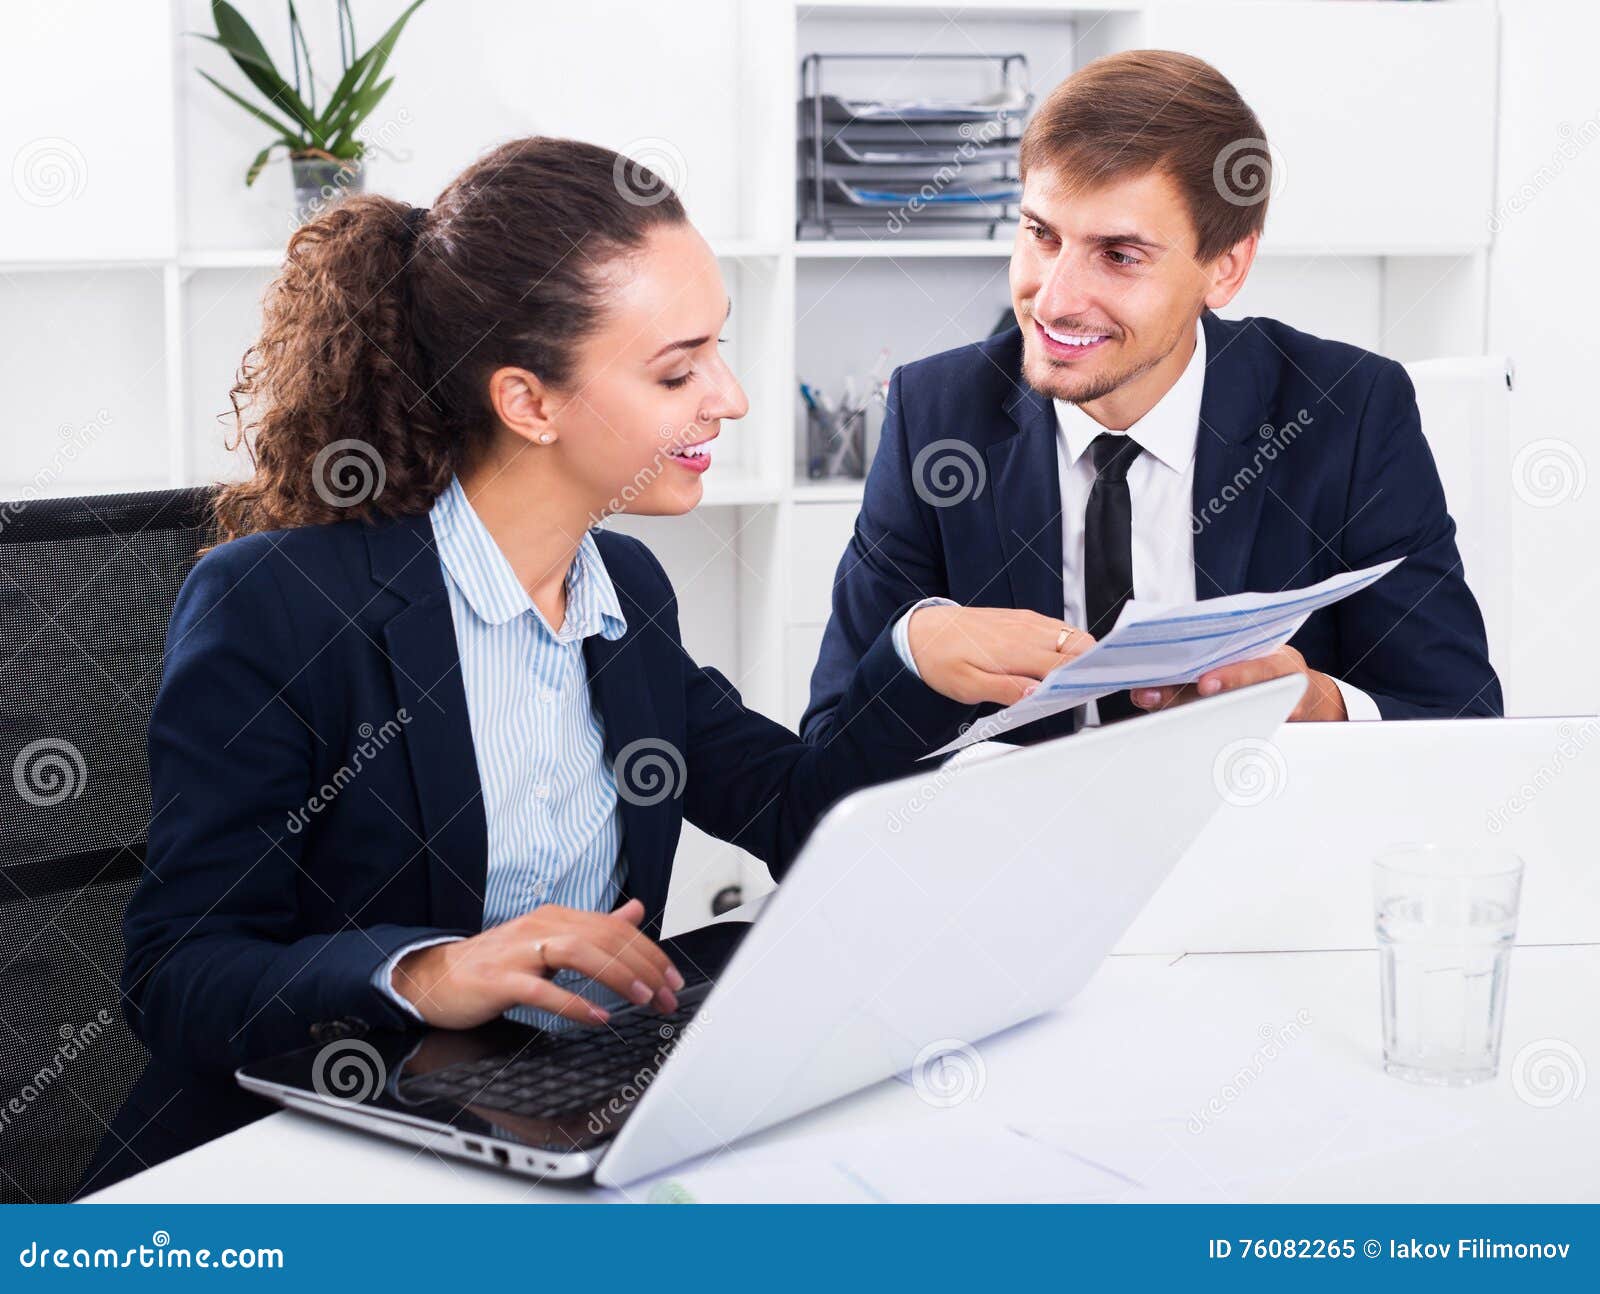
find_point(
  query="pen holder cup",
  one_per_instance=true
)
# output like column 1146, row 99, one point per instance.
column 836, row 445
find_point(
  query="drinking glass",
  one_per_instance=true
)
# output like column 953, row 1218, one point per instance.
column 1446, row 919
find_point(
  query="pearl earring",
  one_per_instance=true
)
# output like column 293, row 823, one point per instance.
column 545, row 437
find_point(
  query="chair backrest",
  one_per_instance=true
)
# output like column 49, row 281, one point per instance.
column 86, row 590
column 1466, row 416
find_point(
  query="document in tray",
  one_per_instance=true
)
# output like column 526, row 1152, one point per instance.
column 1154, row 644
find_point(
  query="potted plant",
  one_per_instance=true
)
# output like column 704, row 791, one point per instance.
column 324, row 154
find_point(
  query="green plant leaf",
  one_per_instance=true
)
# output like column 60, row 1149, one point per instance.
column 288, row 135
column 236, row 36
column 338, row 100
column 277, row 91
column 261, row 160
column 336, row 118
column 361, row 106
column 299, row 46
column 378, row 55
column 333, row 130
column 347, row 33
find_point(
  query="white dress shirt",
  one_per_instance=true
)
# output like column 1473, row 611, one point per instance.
column 549, row 794
column 1161, row 489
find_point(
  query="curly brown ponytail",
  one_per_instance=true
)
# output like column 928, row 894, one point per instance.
column 368, row 384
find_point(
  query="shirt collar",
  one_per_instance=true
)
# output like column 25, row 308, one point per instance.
column 477, row 567
column 1168, row 431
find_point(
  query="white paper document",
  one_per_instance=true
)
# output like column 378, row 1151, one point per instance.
column 1154, row 644
column 934, row 1159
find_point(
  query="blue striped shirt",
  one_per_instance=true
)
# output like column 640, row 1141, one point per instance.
column 549, row 796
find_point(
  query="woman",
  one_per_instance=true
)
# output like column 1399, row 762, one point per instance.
column 422, row 728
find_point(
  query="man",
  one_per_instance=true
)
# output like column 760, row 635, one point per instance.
column 1123, row 440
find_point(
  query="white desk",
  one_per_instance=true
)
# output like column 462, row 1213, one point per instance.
column 1149, row 1039
column 1287, row 864
column 1114, row 1079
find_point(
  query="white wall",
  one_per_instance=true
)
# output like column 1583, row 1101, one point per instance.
column 1544, row 283
column 84, row 351
column 470, row 74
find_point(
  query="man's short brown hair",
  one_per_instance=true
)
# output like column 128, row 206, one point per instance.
column 1155, row 109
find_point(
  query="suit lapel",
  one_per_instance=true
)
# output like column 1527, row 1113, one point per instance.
column 426, row 666
column 1228, row 493
column 627, row 715
column 1026, row 493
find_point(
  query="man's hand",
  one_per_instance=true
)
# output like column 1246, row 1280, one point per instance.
column 1322, row 700
column 974, row 654
column 461, row 984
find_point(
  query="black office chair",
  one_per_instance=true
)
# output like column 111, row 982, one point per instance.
column 86, row 589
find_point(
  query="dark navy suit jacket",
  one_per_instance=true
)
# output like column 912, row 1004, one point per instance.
column 258, row 925
column 1276, row 506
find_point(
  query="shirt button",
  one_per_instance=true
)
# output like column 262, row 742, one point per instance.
column 542, row 792
column 547, row 695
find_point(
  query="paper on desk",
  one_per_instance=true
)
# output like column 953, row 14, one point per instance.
column 1154, row 644
column 1313, row 1109
column 938, row 1159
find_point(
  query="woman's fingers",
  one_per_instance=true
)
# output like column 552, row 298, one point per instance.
column 1077, row 642
column 547, row 937
column 525, row 989
column 1004, row 689
column 620, row 969
column 620, row 930
column 642, row 944
column 625, row 944
column 1038, row 645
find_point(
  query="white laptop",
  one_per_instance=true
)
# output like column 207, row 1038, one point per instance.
column 949, row 905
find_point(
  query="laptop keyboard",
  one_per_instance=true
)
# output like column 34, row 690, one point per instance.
column 561, row 1075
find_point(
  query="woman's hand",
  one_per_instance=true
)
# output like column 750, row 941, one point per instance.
column 974, row 654
column 464, row 983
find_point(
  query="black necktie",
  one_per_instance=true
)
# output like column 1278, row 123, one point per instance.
column 1108, row 549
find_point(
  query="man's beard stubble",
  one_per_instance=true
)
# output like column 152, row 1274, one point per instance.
column 1098, row 389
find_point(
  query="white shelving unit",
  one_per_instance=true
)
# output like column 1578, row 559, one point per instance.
column 1380, row 234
